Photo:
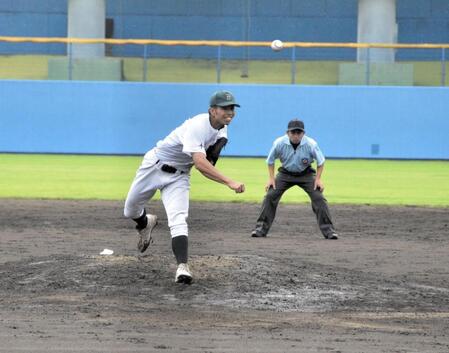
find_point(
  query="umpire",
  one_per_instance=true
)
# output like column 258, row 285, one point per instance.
column 296, row 152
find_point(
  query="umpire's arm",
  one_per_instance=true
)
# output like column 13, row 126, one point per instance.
column 271, row 183
column 210, row 172
column 318, row 184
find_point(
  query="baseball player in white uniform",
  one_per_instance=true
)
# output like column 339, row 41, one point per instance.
column 166, row 167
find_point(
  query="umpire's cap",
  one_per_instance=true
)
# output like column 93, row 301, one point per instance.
column 222, row 99
column 295, row 124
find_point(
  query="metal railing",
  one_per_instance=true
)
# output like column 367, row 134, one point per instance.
column 219, row 44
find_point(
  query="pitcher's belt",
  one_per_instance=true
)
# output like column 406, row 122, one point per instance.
column 169, row 169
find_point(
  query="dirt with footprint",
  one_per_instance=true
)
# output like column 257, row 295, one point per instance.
column 382, row 287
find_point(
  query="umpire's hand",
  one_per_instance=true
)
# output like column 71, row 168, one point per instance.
column 318, row 184
column 270, row 184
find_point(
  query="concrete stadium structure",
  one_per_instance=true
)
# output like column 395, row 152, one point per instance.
column 260, row 20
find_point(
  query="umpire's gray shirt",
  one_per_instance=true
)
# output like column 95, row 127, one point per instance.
column 295, row 160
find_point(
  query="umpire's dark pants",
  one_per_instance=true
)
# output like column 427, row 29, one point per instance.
column 285, row 181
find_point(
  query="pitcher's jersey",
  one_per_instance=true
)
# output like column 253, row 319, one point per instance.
column 295, row 160
column 194, row 135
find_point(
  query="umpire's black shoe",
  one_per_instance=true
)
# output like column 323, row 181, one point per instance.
column 331, row 236
column 256, row 234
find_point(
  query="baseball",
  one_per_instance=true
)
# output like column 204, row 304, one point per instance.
column 277, row 45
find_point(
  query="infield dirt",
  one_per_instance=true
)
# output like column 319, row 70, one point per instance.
column 382, row 287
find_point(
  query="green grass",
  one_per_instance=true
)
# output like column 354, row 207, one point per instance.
column 426, row 73
column 259, row 71
column 377, row 182
column 30, row 67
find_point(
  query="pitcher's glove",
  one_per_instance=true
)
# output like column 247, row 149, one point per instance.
column 213, row 152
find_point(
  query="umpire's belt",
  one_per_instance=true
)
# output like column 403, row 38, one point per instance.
column 297, row 174
column 169, row 169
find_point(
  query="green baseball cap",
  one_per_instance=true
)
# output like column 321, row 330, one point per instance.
column 222, row 99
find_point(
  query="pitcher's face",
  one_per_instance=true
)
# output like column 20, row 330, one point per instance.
column 221, row 116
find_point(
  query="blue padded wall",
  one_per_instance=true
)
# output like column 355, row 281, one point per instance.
column 129, row 118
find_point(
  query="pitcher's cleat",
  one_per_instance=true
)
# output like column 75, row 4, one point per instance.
column 256, row 234
column 332, row 236
column 145, row 238
column 183, row 274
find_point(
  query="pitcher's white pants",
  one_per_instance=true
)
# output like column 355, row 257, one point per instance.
column 174, row 193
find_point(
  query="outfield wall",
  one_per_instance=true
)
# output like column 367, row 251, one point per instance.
column 129, row 118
